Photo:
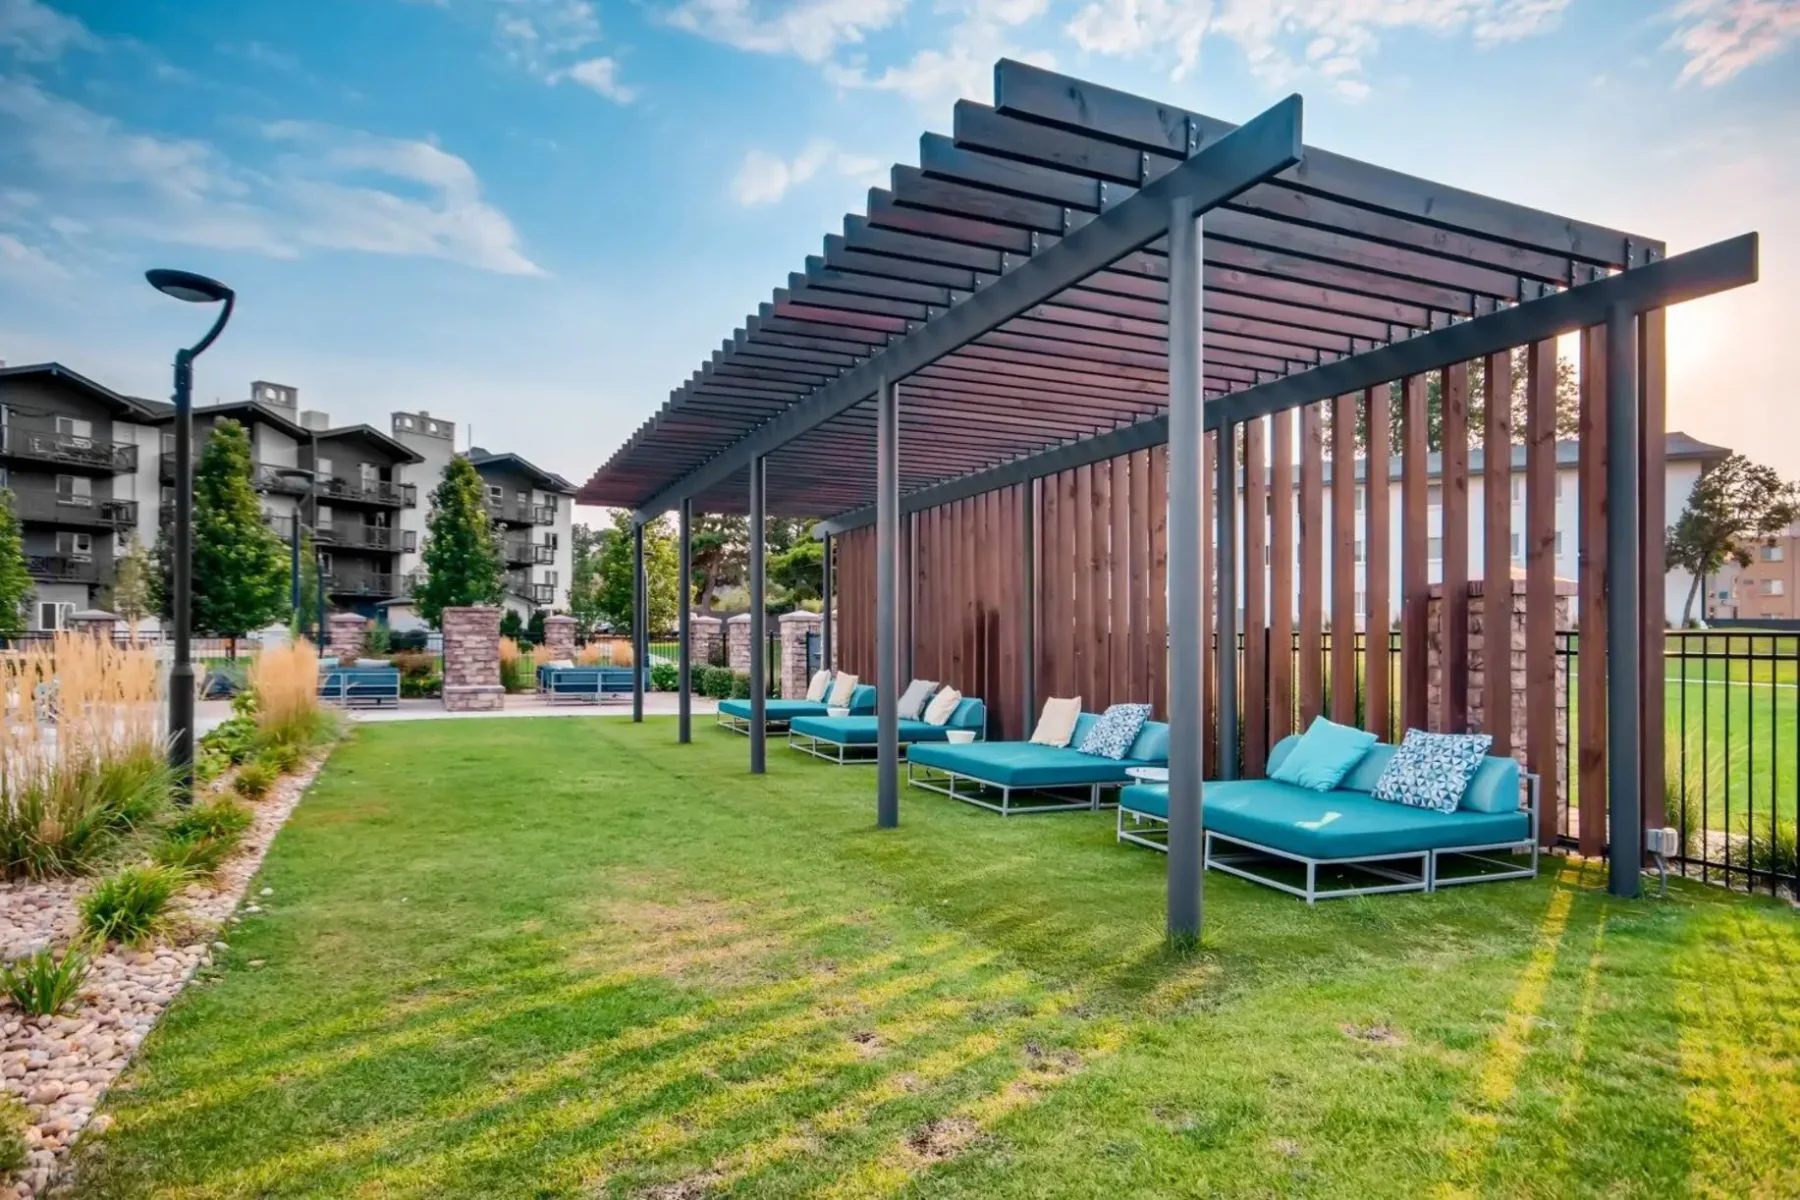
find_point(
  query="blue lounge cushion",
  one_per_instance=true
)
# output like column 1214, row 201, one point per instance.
column 862, row 700
column 1025, row 765
column 1113, row 734
column 1495, row 788
column 1324, row 755
column 1328, row 825
column 1432, row 770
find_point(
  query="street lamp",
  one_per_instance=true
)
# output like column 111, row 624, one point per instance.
column 310, row 479
column 195, row 289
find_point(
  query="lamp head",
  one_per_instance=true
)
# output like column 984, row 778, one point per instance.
column 185, row 285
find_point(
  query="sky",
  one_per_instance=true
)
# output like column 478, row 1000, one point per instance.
column 536, row 217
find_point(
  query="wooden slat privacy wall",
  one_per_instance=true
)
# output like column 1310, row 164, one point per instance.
column 1102, row 571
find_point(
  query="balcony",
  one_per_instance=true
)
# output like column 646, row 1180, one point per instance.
column 46, row 508
column 381, row 492
column 519, row 584
column 62, row 568
column 543, row 514
column 377, row 585
column 525, row 552
column 354, row 535
column 508, row 512
column 264, row 477
column 69, row 451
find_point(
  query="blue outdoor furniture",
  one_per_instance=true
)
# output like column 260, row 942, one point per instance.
column 852, row 739
column 1254, row 827
column 1021, row 777
column 778, row 714
column 587, row 685
column 366, row 686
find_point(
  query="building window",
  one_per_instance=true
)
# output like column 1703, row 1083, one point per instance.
column 1518, row 547
column 325, row 562
column 79, row 546
column 549, row 579
column 75, row 489
column 52, row 613
column 524, row 499
column 1435, row 549
column 550, row 540
column 323, row 467
column 71, row 427
column 1518, row 489
column 1772, row 553
column 1772, row 587
column 407, row 423
column 1559, row 543
column 1359, row 551
column 497, row 494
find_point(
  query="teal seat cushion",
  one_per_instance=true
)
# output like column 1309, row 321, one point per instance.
column 862, row 730
column 1327, row 825
column 1024, row 765
column 773, row 710
column 1495, row 788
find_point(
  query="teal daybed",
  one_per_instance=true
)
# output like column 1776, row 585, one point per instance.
column 778, row 714
column 1022, row 777
column 852, row 739
column 1254, row 827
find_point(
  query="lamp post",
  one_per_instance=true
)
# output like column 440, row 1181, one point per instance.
column 195, row 289
column 310, row 479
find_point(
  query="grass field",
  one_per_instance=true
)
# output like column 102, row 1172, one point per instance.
column 569, row 958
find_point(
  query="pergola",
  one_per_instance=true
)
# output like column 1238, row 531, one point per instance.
column 1078, row 273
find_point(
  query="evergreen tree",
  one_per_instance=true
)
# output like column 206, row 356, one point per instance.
column 584, row 580
column 662, row 565
column 240, row 576
column 134, row 585
column 162, row 573
column 461, row 562
column 308, row 613
column 1737, row 506
column 15, row 578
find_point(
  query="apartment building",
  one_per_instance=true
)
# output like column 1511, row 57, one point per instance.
column 1763, row 591
column 532, row 507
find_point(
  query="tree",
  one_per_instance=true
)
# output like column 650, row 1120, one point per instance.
column 717, row 550
column 1736, row 506
column 584, row 578
column 134, row 585
column 662, row 565
column 800, row 571
column 15, row 577
column 310, row 607
column 1568, row 406
column 240, row 576
column 461, row 560
column 510, row 624
column 162, row 574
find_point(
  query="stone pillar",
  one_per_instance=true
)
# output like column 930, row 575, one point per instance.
column 344, row 635
column 472, row 660
column 94, row 623
column 795, row 627
column 703, row 641
column 737, row 643
column 559, row 638
column 1507, row 654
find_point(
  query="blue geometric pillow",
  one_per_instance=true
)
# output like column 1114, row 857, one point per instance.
column 1116, row 729
column 1432, row 770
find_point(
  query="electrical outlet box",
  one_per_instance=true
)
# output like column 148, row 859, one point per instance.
column 1666, row 842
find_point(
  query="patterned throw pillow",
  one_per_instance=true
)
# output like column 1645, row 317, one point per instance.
column 1116, row 729
column 1432, row 770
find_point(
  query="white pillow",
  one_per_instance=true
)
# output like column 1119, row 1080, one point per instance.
column 1057, row 725
column 560, row 664
column 942, row 707
column 821, row 683
column 912, row 700
column 841, row 690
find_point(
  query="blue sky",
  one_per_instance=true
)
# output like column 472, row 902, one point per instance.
column 537, row 216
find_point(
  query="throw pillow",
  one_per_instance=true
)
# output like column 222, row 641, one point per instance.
column 821, row 683
column 912, row 700
column 842, row 690
column 1116, row 729
column 942, row 707
column 1057, row 725
column 1324, row 754
column 1432, row 770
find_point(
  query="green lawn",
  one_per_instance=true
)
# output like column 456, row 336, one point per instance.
column 567, row 957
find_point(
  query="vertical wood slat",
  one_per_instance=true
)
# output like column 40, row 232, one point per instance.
column 1653, row 518
column 1281, row 576
column 1159, row 581
column 1140, row 688
column 1209, row 705
column 1120, row 622
column 969, row 516
column 1415, row 578
column 1099, row 581
column 1496, row 541
column 1378, row 671
column 1080, row 637
column 1049, row 581
column 1256, row 618
column 1342, row 683
column 1007, row 608
column 1540, row 584
column 1454, row 485
column 1590, row 682
column 1312, row 563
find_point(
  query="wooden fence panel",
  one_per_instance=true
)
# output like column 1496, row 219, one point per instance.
column 1415, row 587
column 1540, row 583
column 1590, row 682
column 1159, row 581
column 1342, row 682
column 1454, row 510
column 1281, row 576
column 1378, row 669
column 1256, row 603
column 1653, row 518
column 1496, row 540
column 1119, row 647
column 1312, row 563
column 1209, row 696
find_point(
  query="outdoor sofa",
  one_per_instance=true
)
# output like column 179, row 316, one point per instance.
column 370, row 682
column 1255, row 828
column 1023, row 777
column 852, row 739
column 779, row 714
column 587, row 685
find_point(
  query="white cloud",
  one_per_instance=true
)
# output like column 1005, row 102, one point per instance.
column 1283, row 40
column 325, row 188
column 764, row 178
column 34, row 31
column 27, row 264
column 811, row 30
column 982, row 32
column 600, row 75
column 1722, row 37
column 550, row 39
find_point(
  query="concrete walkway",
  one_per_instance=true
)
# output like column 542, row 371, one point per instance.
column 210, row 713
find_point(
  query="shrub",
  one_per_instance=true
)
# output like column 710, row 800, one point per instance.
column 377, row 641
column 415, row 687
column 286, row 682
column 223, row 817
column 196, row 855
column 253, row 780
column 1773, row 851
column 43, row 984
column 234, row 738
column 14, row 1153
column 131, row 905
column 740, row 685
column 517, row 669
column 411, row 640
column 715, row 682
column 281, row 758
column 664, row 676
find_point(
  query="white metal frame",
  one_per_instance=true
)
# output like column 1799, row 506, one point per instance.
column 1427, row 878
column 741, row 725
column 1055, row 798
column 841, row 758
